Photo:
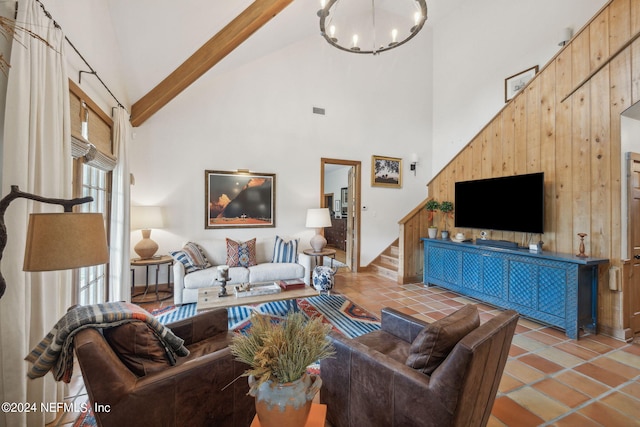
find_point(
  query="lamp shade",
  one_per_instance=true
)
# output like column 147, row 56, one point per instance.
column 318, row 218
column 146, row 217
column 60, row 241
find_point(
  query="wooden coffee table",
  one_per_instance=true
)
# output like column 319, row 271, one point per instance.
column 208, row 298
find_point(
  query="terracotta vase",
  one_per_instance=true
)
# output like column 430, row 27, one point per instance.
column 285, row 405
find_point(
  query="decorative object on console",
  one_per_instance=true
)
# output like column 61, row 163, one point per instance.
column 57, row 241
column 386, row 172
column 581, row 253
column 318, row 218
column 432, row 206
column 278, row 356
column 446, row 208
column 515, row 83
column 240, row 199
column 241, row 254
column 359, row 26
column 145, row 218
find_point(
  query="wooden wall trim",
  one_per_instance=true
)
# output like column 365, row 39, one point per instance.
column 575, row 141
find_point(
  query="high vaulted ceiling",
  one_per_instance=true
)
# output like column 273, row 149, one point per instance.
column 157, row 37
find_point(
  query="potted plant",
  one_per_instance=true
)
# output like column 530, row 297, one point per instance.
column 446, row 208
column 278, row 356
column 432, row 207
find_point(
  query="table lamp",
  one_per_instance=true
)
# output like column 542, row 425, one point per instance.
column 58, row 241
column 318, row 219
column 145, row 218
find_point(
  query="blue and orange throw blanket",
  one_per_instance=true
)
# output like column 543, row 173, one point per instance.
column 55, row 351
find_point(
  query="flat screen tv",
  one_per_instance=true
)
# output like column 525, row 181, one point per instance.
column 511, row 203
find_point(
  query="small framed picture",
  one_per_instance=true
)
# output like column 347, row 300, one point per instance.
column 513, row 84
column 386, row 172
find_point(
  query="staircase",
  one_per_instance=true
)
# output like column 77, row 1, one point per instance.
column 386, row 264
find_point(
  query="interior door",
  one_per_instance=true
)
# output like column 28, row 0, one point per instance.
column 634, row 240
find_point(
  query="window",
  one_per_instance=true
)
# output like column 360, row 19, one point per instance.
column 91, row 147
column 92, row 282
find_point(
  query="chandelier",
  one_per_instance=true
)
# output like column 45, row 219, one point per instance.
column 370, row 26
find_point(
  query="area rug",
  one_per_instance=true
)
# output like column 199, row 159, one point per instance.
column 343, row 315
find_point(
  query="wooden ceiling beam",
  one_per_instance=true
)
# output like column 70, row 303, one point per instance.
column 212, row 52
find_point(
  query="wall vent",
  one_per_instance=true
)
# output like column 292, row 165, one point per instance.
column 318, row 110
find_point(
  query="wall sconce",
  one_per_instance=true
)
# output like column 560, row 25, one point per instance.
column 414, row 162
column 565, row 36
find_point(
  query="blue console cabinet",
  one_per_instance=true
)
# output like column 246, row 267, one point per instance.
column 557, row 289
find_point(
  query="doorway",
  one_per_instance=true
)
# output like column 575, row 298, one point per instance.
column 340, row 184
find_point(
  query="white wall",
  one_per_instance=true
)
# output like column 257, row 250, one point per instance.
column 258, row 116
column 480, row 44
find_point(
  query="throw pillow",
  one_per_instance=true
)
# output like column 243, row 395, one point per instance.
column 137, row 346
column 434, row 343
column 241, row 254
column 192, row 257
column 196, row 256
column 181, row 256
column 284, row 251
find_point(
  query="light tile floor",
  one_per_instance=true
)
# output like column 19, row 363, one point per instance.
column 549, row 379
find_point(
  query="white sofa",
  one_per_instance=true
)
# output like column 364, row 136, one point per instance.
column 186, row 285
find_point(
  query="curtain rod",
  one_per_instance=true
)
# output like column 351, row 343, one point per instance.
column 94, row 72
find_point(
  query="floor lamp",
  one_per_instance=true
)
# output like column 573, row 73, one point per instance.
column 57, row 241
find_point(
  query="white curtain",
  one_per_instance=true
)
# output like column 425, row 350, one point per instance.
column 37, row 158
column 119, row 273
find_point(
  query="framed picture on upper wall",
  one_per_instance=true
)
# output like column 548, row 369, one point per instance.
column 239, row 199
column 515, row 83
column 386, row 172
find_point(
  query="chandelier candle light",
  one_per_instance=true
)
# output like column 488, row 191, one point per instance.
column 370, row 26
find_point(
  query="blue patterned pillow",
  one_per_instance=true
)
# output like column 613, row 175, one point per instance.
column 284, row 251
column 241, row 254
column 182, row 257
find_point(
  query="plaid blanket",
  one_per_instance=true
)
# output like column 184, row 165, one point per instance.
column 55, row 351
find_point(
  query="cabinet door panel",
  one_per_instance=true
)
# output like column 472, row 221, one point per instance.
column 493, row 276
column 552, row 290
column 471, row 264
column 522, row 284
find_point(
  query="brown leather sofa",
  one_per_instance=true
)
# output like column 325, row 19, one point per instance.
column 369, row 382
column 198, row 391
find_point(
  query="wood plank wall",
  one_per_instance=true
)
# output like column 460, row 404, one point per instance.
column 566, row 123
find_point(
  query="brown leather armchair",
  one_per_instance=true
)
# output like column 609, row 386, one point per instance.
column 198, row 391
column 368, row 383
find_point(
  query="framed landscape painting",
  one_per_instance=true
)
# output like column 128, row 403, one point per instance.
column 386, row 172
column 239, row 199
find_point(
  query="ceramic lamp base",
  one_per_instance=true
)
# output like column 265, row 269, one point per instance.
column 146, row 248
column 318, row 242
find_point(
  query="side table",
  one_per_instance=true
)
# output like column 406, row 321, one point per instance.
column 325, row 252
column 157, row 262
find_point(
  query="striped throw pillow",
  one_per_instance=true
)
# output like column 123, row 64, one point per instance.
column 196, row 256
column 182, row 257
column 284, row 251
